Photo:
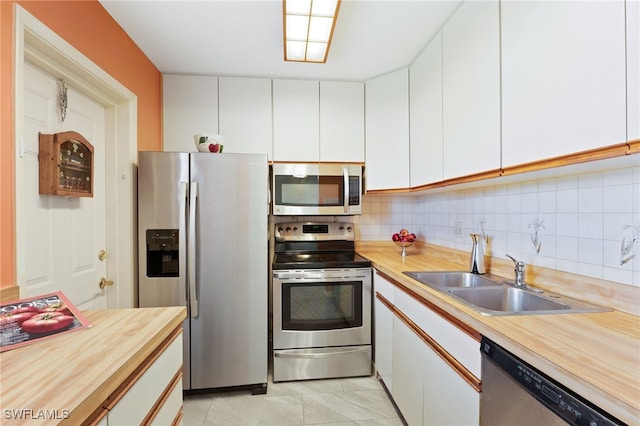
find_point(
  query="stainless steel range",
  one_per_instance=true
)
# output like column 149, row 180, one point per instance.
column 321, row 303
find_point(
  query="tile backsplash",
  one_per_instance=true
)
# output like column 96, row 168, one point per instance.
column 585, row 223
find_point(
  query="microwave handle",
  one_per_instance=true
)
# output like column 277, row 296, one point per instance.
column 345, row 172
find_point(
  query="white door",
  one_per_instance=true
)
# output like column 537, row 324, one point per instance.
column 59, row 238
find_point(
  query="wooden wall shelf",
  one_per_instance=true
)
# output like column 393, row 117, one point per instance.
column 65, row 165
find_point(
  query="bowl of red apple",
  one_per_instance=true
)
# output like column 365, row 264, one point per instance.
column 403, row 239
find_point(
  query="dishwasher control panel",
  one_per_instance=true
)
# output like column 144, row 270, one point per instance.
column 568, row 405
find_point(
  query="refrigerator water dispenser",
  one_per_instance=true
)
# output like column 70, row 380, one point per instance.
column 162, row 253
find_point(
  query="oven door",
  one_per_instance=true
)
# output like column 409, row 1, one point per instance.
column 316, row 189
column 321, row 308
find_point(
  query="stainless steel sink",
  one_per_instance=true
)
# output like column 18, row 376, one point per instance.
column 452, row 279
column 491, row 297
column 506, row 299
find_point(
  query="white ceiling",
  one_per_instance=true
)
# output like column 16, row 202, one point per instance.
column 244, row 37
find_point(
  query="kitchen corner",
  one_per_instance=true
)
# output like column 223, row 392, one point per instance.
column 128, row 363
column 595, row 354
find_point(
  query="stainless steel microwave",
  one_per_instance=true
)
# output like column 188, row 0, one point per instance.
column 316, row 189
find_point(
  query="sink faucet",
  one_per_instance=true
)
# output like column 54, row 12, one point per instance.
column 476, row 265
column 519, row 271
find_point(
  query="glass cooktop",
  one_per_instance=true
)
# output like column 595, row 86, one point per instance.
column 323, row 260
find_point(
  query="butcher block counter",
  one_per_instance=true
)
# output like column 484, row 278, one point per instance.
column 79, row 377
column 597, row 355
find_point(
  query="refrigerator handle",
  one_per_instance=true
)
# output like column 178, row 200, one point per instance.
column 192, row 250
column 182, row 243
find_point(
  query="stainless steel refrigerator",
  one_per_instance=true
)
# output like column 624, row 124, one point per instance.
column 203, row 244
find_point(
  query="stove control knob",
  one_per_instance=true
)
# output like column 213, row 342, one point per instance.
column 295, row 228
column 280, row 229
column 288, row 229
column 341, row 229
column 349, row 229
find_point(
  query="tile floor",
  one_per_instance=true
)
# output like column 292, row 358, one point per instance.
column 357, row 401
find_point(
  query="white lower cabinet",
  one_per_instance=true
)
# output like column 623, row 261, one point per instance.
column 430, row 366
column 155, row 397
column 383, row 317
column 408, row 364
column 448, row 398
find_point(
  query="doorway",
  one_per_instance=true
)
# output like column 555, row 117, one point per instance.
column 41, row 52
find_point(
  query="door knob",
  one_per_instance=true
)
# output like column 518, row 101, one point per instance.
column 104, row 282
column 102, row 255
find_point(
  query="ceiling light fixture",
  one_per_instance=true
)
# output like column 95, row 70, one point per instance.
column 308, row 29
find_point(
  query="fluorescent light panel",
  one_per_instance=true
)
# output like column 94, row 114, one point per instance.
column 308, row 29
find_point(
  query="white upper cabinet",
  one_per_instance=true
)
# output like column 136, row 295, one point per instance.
column 189, row 106
column 387, row 131
column 471, row 89
column 341, row 121
column 633, row 69
column 245, row 115
column 425, row 94
column 296, row 124
column 563, row 78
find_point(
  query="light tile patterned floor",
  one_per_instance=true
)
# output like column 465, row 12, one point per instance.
column 334, row 402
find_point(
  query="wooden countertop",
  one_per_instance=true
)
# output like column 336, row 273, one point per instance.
column 76, row 372
column 597, row 355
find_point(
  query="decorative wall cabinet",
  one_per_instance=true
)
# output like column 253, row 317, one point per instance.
column 66, row 165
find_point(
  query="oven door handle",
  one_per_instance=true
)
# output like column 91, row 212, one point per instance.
column 295, row 353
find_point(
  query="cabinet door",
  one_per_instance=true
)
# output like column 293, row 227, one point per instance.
column 448, row 399
column 190, row 106
column 383, row 326
column 408, row 355
column 245, row 115
column 471, row 89
column 563, row 78
column 456, row 342
column 143, row 394
column 387, row 131
column 384, row 343
column 633, row 69
column 426, row 115
column 296, row 125
column 341, row 121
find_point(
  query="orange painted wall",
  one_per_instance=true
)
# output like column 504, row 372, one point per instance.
column 88, row 27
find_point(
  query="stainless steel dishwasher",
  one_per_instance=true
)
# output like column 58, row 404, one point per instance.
column 515, row 393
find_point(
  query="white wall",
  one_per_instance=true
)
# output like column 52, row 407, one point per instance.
column 584, row 218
